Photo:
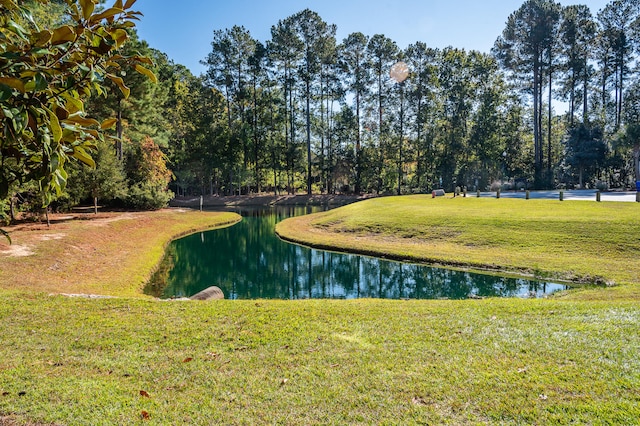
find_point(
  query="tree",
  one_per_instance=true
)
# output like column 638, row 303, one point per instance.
column 45, row 76
column 382, row 53
column 313, row 34
column 631, row 136
column 578, row 33
column 353, row 67
column 586, row 150
column 525, row 48
column 487, row 145
column 139, row 113
column 230, row 71
column 617, row 21
column 106, row 181
column 422, row 61
column 457, row 83
column 285, row 50
column 148, row 176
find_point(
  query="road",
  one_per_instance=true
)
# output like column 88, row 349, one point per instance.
column 582, row 194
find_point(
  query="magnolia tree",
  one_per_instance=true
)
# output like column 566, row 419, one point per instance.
column 45, row 76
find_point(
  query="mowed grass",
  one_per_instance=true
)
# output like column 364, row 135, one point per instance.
column 135, row 360
column 586, row 242
column 79, row 362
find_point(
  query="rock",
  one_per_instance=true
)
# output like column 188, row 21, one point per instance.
column 211, row 293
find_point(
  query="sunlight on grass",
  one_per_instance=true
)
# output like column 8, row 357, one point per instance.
column 561, row 360
column 575, row 241
column 76, row 361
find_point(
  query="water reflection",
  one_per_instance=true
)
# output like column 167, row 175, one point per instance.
column 247, row 261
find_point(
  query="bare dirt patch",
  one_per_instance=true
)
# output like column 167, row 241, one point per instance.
column 49, row 237
column 15, row 250
column 12, row 421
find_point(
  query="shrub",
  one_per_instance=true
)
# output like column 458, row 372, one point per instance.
column 148, row 196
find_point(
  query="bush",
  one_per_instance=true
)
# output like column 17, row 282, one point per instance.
column 148, row 196
column 5, row 215
column 495, row 185
column 602, row 186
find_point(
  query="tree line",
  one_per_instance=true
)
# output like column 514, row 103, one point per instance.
column 305, row 112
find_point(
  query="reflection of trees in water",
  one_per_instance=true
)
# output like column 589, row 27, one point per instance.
column 248, row 261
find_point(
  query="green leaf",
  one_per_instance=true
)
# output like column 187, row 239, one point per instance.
column 41, row 82
column 5, row 92
column 107, row 14
column 6, row 234
column 56, row 129
column 73, row 104
column 79, row 119
column 42, row 38
column 120, row 83
column 15, row 83
column 63, row 34
column 147, row 72
column 80, row 154
column 59, row 180
column 17, row 29
column 87, row 8
column 108, row 123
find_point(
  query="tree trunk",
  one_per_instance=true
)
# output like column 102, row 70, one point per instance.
column 585, row 95
column 549, row 124
column 400, row 158
column 581, row 177
column 380, row 144
column 636, row 160
column 308, row 113
column 536, row 121
column 572, row 102
column 12, row 209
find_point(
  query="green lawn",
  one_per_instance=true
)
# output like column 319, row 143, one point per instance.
column 569, row 359
column 580, row 241
column 80, row 362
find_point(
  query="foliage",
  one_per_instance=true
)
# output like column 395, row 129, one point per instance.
column 46, row 74
column 148, row 176
column 586, row 150
column 105, row 182
column 526, row 48
column 457, row 120
column 276, row 119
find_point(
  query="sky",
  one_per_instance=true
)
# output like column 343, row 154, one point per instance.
column 184, row 29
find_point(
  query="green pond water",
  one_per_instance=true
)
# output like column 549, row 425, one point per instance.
column 248, row 261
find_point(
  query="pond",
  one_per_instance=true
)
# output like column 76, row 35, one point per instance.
column 248, row 261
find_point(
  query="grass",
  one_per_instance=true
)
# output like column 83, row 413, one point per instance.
column 135, row 360
column 78, row 362
column 584, row 242
column 108, row 254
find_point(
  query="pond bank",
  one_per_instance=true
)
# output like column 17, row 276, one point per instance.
column 111, row 254
column 262, row 200
column 550, row 240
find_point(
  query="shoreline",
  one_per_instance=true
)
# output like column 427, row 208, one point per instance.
column 262, row 200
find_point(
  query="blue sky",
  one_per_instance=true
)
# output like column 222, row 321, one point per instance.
column 184, row 29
